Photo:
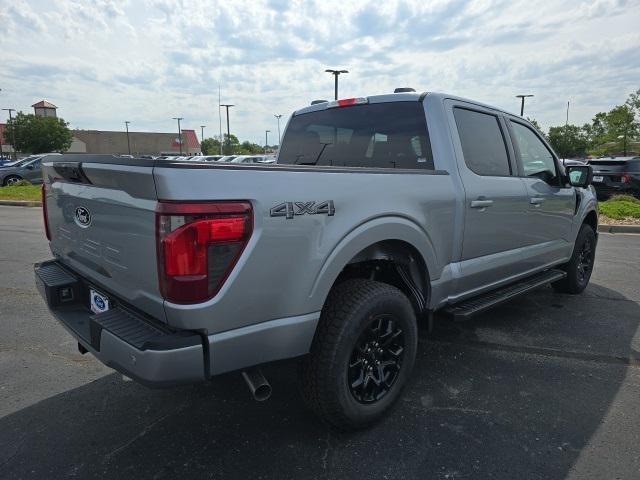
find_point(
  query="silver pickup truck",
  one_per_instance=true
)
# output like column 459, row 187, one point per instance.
column 378, row 212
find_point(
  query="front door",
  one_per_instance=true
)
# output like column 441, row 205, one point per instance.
column 551, row 202
column 33, row 171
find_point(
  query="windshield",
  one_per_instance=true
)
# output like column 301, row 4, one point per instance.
column 24, row 161
column 381, row 135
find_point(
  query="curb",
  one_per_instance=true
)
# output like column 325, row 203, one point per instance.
column 21, row 203
column 619, row 228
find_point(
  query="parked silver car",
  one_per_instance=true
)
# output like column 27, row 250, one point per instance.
column 25, row 170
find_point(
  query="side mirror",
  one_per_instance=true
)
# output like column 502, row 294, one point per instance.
column 29, row 167
column 580, row 175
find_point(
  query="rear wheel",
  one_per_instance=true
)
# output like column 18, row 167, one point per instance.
column 11, row 180
column 580, row 265
column 362, row 355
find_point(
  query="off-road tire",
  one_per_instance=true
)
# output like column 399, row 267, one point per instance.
column 576, row 281
column 350, row 310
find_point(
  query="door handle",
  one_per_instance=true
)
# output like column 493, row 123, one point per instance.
column 481, row 203
column 537, row 201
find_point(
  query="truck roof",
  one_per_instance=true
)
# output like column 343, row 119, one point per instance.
column 404, row 97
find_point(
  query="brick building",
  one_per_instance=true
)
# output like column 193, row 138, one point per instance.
column 149, row 143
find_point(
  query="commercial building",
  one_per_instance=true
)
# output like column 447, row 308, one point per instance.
column 139, row 143
column 113, row 142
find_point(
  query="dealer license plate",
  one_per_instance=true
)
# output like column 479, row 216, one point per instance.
column 99, row 302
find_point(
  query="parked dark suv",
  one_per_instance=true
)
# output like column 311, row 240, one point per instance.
column 616, row 176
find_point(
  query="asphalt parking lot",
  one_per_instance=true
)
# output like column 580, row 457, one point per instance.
column 546, row 386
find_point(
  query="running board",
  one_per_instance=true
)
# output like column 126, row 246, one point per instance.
column 468, row 308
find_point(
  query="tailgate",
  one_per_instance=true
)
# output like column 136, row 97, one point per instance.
column 101, row 214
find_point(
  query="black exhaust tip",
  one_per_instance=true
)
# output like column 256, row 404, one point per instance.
column 258, row 385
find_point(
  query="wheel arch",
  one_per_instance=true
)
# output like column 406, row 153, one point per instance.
column 392, row 250
column 591, row 219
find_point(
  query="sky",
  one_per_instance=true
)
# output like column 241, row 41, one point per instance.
column 106, row 61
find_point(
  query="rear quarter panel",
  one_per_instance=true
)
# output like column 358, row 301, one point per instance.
column 289, row 265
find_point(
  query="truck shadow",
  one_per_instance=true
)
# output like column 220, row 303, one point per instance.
column 517, row 393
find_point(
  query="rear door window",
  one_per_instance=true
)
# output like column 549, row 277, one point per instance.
column 379, row 135
column 483, row 145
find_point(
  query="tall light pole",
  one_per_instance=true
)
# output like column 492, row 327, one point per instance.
column 279, row 140
column 202, row 127
column 522, row 97
column 228, row 106
column 13, row 133
column 220, row 119
column 266, row 140
column 126, row 125
column 179, row 132
column 336, row 74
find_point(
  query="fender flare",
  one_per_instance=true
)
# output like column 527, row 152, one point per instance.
column 365, row 235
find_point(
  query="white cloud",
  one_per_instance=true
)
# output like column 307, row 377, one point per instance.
column 106, row 61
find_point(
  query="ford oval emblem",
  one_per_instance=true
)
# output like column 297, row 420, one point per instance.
column 83, row 217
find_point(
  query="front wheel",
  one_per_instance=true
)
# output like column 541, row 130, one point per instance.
column 580, row 266
column 362, row 354
column 11, row 180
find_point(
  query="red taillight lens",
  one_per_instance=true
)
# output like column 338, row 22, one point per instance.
column 625, row 178
column 44, row 191
column 198, row 246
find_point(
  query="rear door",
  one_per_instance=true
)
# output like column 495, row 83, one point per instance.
column 552, row 203
column 495, row 228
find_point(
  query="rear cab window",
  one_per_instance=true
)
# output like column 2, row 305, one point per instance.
column 379, row 135
column 483, row 143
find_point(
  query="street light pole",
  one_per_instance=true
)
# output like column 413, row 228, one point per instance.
column 279, row 140
column 126, row 124
column 179, row 132
column 13, row 133
column 228, row 106
column 336, row 74
column 266, row 140
column 522, row 97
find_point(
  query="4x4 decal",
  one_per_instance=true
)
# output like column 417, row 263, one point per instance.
column 290, row 209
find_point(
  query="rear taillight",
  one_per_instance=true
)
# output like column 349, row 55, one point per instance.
column 44, row 191
column 626, row 178
column 198, row 246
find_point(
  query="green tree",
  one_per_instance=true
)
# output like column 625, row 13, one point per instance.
column 36, row 134
column 535, row 123
column 622, row 127
column 248, row 148
column 210, row 146
column 231, row 144
column 569, row 141
column 633, row 102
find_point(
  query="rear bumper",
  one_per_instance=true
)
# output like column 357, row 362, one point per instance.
column 122, row 338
